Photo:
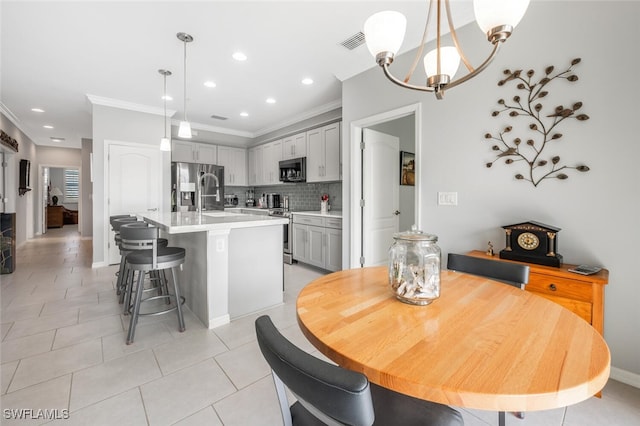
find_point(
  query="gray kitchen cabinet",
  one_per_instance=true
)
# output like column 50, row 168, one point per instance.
column 234, row 161
column 193, row 152
column 323, row 153
column 294, row 146
column 271, row 156
column 333, row 258
column 317, row 241
column 255, row 166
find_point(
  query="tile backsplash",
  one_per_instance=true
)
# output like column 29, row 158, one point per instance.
column 302, row 196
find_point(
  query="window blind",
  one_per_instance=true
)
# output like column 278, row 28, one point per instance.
column 71, row 185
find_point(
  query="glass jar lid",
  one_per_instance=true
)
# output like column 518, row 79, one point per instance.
column 415, row 235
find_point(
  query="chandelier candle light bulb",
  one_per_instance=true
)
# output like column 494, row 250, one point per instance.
column 384, row 33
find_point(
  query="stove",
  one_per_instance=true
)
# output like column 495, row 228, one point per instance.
column 287, row 236
column 279, row 212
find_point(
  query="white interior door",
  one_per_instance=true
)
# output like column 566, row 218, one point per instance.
column 380, row 171
column 135, row 177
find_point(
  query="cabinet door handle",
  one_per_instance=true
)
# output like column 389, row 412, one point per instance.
column 552, row 287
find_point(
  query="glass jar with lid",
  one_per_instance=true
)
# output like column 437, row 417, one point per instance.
column 414, row 267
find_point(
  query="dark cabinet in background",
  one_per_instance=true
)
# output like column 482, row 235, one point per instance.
column 7, row 242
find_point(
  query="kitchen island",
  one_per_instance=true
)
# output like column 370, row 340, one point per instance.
column 233, row 261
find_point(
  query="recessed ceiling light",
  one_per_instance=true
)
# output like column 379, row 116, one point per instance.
column 57, row 139
column 271, row 101
column 239, row 56
column 166, row 97
column 47, row 126
column 307, row 81
column 37, row 110
column 209, row 84
column 244, row 114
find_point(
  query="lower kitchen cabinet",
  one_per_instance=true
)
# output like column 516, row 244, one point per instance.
column 317, row 241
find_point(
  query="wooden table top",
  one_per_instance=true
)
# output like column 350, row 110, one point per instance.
column 482, row 344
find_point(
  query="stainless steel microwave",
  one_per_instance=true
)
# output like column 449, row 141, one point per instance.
column 293, row 170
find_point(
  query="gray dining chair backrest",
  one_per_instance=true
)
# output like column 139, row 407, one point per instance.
column 513, row 274
column 330, row 395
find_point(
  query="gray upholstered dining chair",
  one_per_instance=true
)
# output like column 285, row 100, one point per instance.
column 509, row 273
column 330, row 395
column 513, row 274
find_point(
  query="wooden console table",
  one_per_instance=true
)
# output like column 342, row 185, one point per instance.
column 581, row 294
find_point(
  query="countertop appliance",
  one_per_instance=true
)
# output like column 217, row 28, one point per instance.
column 250, row 200
column 230, row 200
column 194, row 185
column 293, row 170
column 273, row 200
column 287, row 255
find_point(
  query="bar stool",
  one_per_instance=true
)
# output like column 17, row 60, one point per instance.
column 152, row 259
column 116, row 222
column 121, row 275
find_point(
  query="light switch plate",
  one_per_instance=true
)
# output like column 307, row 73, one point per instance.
column 447, row 198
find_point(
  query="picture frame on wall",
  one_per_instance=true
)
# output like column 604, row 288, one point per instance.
column 407, row 168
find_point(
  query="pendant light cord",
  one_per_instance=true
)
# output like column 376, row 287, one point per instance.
column 165, row 104
column 185, row 80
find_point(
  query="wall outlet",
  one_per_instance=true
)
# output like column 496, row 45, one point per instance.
column 447, row 198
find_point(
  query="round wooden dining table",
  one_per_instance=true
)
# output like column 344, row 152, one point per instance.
column 482, row 344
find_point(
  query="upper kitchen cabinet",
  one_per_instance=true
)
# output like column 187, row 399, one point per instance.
column 193, row 152
column 255, row 165
column 271, row 156
column 294, row 146
column 234, row 161
column 323, row 153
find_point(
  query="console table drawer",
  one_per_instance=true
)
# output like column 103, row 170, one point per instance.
column 559, row 287
column 582, row 309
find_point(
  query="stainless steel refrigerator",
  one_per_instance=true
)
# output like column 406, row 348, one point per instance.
column 194, row 185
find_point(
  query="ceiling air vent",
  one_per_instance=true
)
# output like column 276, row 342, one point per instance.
column 218, row 117
column 354, row 41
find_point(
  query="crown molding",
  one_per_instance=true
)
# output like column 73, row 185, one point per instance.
column 210, row 128
column 11, row 116
column 117, row 103
column 300, row 117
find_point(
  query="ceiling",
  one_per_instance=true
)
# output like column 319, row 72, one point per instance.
column 57, row 55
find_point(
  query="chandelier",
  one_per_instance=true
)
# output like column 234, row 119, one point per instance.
column 384, row 33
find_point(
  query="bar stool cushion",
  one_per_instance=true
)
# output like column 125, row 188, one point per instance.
column 165, row 255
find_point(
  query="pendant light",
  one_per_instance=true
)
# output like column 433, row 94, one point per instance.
column 384, row 33
column 184, row 131
column 165, row 143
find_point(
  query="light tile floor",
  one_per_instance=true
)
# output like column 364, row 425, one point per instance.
column 63, row 347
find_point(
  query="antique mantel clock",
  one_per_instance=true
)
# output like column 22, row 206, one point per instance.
column 532, row 242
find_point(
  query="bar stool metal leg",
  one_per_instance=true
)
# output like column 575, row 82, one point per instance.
column 174, row 276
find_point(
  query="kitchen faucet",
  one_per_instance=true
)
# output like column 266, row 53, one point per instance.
column 203, row 175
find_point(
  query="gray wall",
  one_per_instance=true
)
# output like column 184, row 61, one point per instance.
column 597, row 211
column 114, row 124
column 23, row 205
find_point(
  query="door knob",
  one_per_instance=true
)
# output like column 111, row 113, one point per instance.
column 397, row 212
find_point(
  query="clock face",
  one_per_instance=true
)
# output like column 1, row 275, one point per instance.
column 528, row 241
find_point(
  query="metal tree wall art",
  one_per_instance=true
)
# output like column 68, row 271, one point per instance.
column 544, row 125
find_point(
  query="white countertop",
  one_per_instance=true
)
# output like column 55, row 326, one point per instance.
column 331, row 213
column 183, row 222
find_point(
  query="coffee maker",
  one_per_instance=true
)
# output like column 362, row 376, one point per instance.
column 250, row 200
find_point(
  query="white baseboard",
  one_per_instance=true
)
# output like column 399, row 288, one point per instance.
column 626, row 377
column 99, row 264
